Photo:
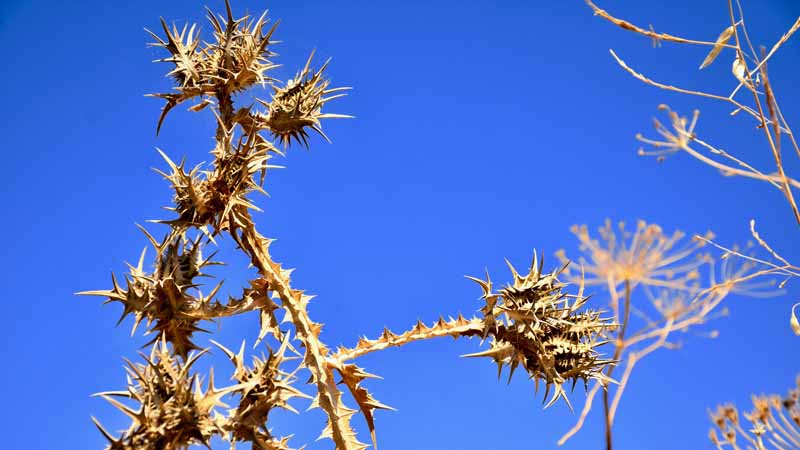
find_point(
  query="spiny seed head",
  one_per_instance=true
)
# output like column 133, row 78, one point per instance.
column 261, row 388
column 234, row 60
column 297, row 106
column 172, row 411
column 164, row 298
column 533, row 323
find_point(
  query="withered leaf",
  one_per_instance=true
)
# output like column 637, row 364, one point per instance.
column 723, row 39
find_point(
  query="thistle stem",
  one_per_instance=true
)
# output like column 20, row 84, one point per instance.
column 456, row 328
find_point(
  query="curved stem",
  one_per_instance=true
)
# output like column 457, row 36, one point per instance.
column 728, row 170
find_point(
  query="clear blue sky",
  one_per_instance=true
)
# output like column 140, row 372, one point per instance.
column 483, row 130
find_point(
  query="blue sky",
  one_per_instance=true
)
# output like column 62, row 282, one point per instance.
column 483, row 130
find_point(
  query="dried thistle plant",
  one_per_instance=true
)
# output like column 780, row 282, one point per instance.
column 752, row 93
column 533, row 323
column 658, row 284
column 774, row 423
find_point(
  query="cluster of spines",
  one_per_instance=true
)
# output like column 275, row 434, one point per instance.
column 173, row 411
column 534, row 324
column 167, row 298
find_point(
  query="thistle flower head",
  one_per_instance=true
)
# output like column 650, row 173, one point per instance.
column 237, row 58
column 297, row 106
column 218, row 197
column 164, row 298
column 239, row 55
column 172, row 413
column 261, row 388
column 234, row 60
column 534, row 324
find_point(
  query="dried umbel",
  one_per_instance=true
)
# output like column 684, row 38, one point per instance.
column 657, row 284
column 645, row 255
column 535, row 325
column 773, row 423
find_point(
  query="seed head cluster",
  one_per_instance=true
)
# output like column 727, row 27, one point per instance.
column 534, row 324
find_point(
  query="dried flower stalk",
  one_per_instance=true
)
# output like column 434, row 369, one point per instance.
column 657, row 284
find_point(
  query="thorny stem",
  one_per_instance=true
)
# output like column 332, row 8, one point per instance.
column 455, row 328
column 292, row 301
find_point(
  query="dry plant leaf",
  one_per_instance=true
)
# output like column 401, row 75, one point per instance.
column 723, row 39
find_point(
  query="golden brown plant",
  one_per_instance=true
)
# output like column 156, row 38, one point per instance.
column 774, row 423
column 533, row 323
column 658, row 284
